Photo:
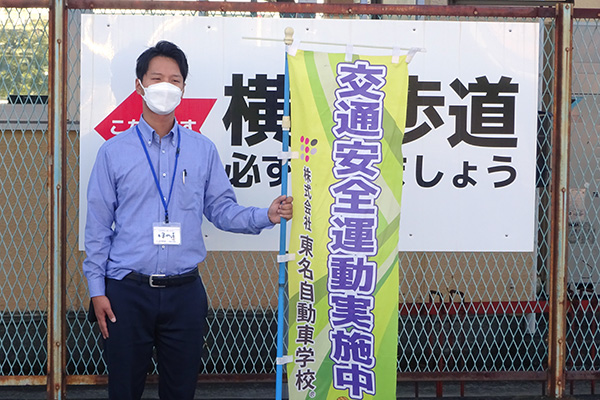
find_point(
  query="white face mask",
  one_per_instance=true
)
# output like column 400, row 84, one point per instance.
column 162, row 98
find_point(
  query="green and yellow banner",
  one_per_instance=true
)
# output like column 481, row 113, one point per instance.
column 348, row 121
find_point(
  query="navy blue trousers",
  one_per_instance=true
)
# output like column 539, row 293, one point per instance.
column 172, row 320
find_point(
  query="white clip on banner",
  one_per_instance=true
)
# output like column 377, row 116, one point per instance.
column 284, row 360
column 293, row 48
column 287, row 155
column 281, row 258
column 411, row 53
column 396, row 55
column 286, row 123
column 349, row 52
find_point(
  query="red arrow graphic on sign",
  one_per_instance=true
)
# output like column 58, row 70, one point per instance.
column 191, row 113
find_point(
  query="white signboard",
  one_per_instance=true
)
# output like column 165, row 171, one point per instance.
column 471, row 127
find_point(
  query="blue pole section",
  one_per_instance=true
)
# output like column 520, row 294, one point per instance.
column 282, row 235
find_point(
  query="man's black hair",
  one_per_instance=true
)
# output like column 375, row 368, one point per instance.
column 164, row 49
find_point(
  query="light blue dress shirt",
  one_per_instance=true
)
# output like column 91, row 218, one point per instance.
column 124, row 203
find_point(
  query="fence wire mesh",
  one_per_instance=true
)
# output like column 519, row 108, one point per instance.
column 509, row 336
column 474, row 312
column 23, row 179
column 583, row 338
column 459, row 312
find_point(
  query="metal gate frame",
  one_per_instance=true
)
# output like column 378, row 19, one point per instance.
column 563, row 14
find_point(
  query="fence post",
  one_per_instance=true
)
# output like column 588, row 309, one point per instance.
column 56, row 380
column 559, row 199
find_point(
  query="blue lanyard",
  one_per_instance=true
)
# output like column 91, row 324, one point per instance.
column 162, row 197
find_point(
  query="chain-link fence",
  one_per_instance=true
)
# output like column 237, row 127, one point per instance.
column 23, row 179
column 500, row 330
column 584, row 209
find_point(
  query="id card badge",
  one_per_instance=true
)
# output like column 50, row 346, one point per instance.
column 167, row 234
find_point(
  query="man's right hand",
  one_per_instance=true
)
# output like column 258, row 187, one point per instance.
column 103, row 311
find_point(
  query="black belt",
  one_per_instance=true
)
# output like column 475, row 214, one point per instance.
column 161, row 281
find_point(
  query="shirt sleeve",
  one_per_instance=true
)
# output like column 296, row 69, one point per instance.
column 101, row 206
column 221, row 207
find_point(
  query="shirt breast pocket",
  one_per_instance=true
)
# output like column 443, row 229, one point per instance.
column 191, row 193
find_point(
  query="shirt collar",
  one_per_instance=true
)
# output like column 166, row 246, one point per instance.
column 151, row 137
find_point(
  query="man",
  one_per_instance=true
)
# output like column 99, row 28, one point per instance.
column 149, row 188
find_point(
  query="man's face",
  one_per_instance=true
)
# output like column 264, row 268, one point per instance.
column 162, row 69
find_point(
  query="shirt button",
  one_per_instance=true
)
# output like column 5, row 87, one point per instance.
column 165, row 197
column 164, row 174
column 164, row 151
column 163, row 247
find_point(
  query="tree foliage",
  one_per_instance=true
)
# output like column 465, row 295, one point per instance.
column 24, row 55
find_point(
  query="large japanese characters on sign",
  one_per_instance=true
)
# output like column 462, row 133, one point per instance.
column 347, row 186
column 469, row 150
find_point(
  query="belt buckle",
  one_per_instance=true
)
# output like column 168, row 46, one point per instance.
column 151, row 280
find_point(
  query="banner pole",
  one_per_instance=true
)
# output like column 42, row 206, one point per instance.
column 289, row 32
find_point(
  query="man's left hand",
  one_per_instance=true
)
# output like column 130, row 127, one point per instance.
column 281, row 208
